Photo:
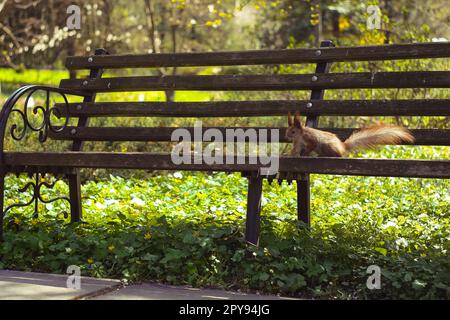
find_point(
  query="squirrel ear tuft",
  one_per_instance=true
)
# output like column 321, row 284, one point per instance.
column 290, row 121
column 297, row 122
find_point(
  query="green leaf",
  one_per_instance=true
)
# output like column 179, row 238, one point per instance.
column 418, row 284
column 383, row 251
column 264, row 276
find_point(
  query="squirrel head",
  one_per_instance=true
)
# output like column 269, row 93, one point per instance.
column 295, row 127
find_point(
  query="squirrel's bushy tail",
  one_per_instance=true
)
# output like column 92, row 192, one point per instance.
column 372, row 136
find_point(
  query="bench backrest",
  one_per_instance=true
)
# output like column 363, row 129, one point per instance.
column 317, row 82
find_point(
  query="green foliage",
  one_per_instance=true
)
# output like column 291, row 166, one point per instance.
column 49, row 77
column 185, row 228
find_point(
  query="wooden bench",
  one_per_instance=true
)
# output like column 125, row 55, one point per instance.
column 69, row 163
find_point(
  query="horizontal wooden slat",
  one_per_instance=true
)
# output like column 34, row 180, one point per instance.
column 423, row 136
column 254, row 57
column 57, row 171
column 431, row 107
column 412, row 79
column 151, row 161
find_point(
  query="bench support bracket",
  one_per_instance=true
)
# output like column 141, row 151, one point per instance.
column 76, row 214
column 2, row 195
column 75, row 197
column 303, row 200
column 303, row 187
column 35, row 188
column 253, row 220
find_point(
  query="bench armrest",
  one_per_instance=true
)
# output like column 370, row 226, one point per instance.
column 12, row 106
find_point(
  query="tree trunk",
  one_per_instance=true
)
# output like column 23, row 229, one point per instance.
column 318, row 26
column 335, row 21
column 387, row 32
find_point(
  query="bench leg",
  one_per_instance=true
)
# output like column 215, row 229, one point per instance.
column 303, row 199
column 2, row 199
column 253, row 210
column 75, row 197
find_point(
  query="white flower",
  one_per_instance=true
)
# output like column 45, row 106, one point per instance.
column 390, row 224
column 100, row 205
column 138, row 202
column 178, row 175
column 401, row 242
column 439, row 39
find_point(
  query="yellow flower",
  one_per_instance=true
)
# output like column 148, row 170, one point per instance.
column 344, row 24
column 90, row 261
column 16, row 221
column 373, row 37
column 111, row 247
column 147, row 236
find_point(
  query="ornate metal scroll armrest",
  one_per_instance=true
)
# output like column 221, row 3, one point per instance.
column 46, row 110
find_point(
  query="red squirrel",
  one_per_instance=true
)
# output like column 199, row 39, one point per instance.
column 309, row 140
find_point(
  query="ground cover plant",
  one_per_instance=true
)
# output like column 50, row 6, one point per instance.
column 187, row 228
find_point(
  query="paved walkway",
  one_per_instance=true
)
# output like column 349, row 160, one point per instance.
column 16, row 285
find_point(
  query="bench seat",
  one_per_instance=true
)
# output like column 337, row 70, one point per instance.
column 296, row 165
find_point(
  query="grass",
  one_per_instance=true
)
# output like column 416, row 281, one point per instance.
column 49, row 77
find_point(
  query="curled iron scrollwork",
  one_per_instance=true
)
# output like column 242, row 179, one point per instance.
column 22, row 124
column 46, row 112
column 36, row 187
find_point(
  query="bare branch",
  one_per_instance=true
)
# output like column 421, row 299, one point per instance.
column 26, row 6
column 151, row 24
column 8, row 32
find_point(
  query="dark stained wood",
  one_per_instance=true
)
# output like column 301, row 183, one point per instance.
column 312, row 120
column 57, row 171
column 253, row 220
column 419, row 107
column 76, row 207
column 410, row 79
column 423, row 136
column 152, row 161
column 83, row 120
column 2, row 199
column 303, row 199
column 288, row 56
